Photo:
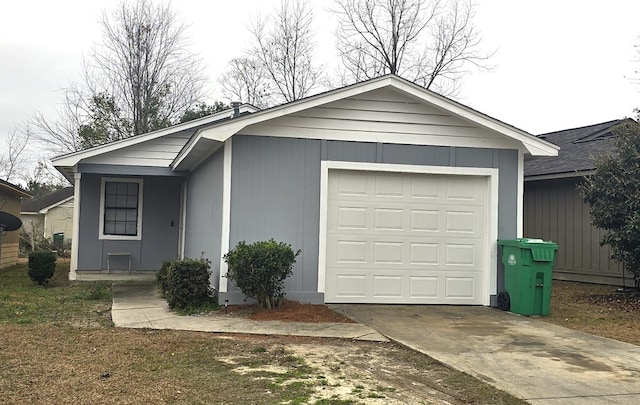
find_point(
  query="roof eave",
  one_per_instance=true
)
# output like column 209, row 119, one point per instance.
column 66, row 163
column 223, row 131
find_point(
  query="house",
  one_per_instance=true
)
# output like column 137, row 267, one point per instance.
column 50, row 215
column 393, row 193
column 10, row 196
column 554, row 209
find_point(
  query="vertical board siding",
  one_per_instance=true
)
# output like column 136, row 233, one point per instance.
column 554, row 210
column 204, row 213
column 275, row 190
column 275, row 193
column 161, row 205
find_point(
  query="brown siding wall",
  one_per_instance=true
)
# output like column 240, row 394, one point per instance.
column 554, row 210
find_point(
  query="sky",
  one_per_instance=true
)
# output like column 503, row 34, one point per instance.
column 558, row 64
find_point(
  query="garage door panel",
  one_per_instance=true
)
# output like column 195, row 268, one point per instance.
column 408, row 288
column 424, row 220
column 351, row 251
column 464, row 188
column 469, row 221
column 460, row 287
column 351, row 286
column 456, row 254
column 424, row 287
column 462, row 254
column 388, row 219
column 409, row 220
column 387, row 185
column 353, row 184
column 387, row 286
column 423, row 187
column 405, row 238
column 424, row 253
column 388, row 252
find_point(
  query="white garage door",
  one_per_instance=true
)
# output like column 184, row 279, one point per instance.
column 405, row 238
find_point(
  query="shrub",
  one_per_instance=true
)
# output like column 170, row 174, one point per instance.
column 187, row 284
column 42, row 265
column 161, row 276
column 259, row 269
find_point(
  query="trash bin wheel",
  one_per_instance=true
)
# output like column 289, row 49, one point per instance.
column 504, row 302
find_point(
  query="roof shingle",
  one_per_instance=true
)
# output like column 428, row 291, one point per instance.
column 36, row 204
column 578, row 147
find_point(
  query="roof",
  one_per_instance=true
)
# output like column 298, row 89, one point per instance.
column 206, row 137
column 65, row 163
column 13, row 189
column 578, row 146
column 48, row 201
column 211, row 133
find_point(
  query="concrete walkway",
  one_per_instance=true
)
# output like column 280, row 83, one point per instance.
column 138, row 305
column 531, row 359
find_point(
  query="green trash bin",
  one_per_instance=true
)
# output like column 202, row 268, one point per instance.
column 58, row 239
column 528, row 269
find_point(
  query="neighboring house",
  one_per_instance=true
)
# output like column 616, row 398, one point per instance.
column 394, row 194
column 10, row 196
column 49, row 215
column 554, row 209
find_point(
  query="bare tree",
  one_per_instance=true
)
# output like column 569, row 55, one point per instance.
column 60, row 134
column 139, row 78
column 284, row 46
column 246, row 80
column 144, row 65
column 430, row 43
column 14, row 159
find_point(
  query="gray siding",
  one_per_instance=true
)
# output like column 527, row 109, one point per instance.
column 554, row 210
column 160, row 226
column 275, row 193
column 204, row 212
column 275, row 190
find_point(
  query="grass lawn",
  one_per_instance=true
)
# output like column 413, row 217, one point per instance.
column 57, row 345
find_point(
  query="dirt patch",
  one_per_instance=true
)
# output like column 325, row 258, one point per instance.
column 288, row 311
column 61, row 364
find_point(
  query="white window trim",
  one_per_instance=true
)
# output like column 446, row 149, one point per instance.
column 101, row 234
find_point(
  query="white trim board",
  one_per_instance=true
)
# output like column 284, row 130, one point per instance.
column 226, row 214
column 75, row 234
column 490, row 279
column 520, row 196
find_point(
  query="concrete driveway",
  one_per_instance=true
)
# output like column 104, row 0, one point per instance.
column 529, row 358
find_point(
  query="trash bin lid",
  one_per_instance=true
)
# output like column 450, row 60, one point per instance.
column 541, row 251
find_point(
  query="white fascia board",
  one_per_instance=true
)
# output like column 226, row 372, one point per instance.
column 73, row 158
column 553, row 176
column 214, row 132
column 227, row 129
column 218, row 133
column 224, row 130
column 534, row 145
column 45, row 209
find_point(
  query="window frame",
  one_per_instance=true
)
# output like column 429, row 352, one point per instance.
column 103, row 181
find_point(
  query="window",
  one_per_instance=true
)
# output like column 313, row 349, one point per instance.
column 121, row 209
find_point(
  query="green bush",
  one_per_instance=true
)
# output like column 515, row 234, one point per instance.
column 259, row 269
column 187, row 284
column 42, row 265
column 162, row 274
